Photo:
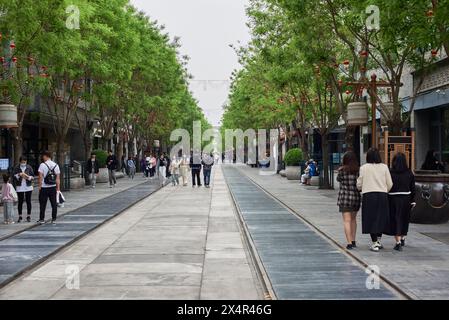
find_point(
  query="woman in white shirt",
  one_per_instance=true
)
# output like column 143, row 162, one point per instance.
column 23, row 180
column 375, row 182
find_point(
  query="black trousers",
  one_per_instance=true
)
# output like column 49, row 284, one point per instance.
column 44, row 195
column 196, row 174
column 24, row 196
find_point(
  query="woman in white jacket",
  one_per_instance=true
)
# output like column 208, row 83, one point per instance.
column 375, row 182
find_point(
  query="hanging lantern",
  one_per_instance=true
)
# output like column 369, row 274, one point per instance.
column 357, row 114
column 348, row 92
column 8, row 116
column 12, row 46
column 434, row 53
column 364, row 53
column 430, row 13
column 14, row 59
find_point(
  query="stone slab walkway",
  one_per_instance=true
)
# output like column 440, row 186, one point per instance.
column 75, row 199
column 421, row 270
column 299, row 263
column 179, row 243
column 23, row 250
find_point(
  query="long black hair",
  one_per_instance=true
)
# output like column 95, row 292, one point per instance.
column 350, row 163
column 399, row 163
column 373, row 156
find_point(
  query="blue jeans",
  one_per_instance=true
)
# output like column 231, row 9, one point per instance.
column 207, row 177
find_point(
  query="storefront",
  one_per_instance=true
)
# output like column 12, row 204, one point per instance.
column 431, row 115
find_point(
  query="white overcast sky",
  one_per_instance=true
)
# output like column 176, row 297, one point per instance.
column 206, row 29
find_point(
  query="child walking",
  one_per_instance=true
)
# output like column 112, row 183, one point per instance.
column 9, row 196
column 174, row 171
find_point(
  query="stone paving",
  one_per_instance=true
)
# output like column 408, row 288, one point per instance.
column 75, row 199
column 299, row 263
column 179, row 243
column 421, row 270
column 23, row 250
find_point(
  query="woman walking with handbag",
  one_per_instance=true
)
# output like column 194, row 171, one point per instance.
column 375, row 182
column 349, row 198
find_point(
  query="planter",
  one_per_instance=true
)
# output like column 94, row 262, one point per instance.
column 8, row 116
column 293, row 172
column 432, row 198
column 283, row 173
column 357, row 114
column 103, row 176
column 77, row 183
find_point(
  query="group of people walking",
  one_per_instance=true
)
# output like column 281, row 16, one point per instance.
column 19, row 188
column 385, row 195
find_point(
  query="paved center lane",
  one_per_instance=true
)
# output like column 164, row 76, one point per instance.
column 179, row 243
column 299, row 263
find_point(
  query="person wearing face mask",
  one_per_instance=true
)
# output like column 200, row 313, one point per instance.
column 23, row 180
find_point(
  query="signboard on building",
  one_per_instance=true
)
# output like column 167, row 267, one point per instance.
column 4, row 164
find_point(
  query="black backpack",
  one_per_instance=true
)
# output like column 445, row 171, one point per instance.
column 50, row 178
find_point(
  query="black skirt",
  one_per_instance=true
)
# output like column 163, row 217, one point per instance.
column 375, row 213
column 400, row 212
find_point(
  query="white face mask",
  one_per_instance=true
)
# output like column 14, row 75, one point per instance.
column 23, row 166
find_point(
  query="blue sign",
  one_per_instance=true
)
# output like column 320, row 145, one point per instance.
column 4, row 164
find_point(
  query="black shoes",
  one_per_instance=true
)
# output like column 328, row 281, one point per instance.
column 20, row 219
column 403, row 243
column 354, row 244
column 398, row 247
column 350, row 247
column 28, row 219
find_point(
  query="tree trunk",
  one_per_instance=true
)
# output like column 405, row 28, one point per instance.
column 60, row 157
column 120, row 150
column 88, row 143
column 325, row 151
column 18, row 145
column 349, row 138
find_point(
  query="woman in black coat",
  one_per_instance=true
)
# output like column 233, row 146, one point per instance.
column 402, row 199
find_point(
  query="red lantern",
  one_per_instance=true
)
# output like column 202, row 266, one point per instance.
column 348, row 92
column 2, row 59
column 364, row 53
column 430, row 13
column 346, row 62
column 14, row 59
column 12, row 45
column 434, row 53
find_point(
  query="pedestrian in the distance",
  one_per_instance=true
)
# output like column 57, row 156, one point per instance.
column 49, row 186
column 195, row 166
column 174, row 171
column 93, row 170
column 9, row 196
column 131, row 167
column 375, row 182
column 208, row 162
column 162, row 165
column 349, row 198
column 111, row 162
column 402, row 199
column 23, row 180
column 184, row 170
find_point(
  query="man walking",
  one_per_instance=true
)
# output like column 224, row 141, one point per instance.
column 49, row 186
column 111, row 162
column 93, row 169
column 208, row 162
column 195, row 165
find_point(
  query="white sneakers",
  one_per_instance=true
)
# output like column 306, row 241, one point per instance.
column 376, row 246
